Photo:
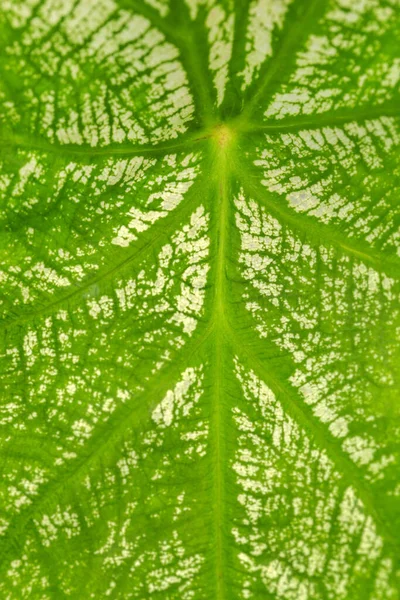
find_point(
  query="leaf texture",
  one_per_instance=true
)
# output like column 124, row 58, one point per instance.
column 199, row 303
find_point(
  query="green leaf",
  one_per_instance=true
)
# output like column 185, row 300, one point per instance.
column 199, row 267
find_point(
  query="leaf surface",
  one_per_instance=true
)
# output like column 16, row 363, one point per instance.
column 199, row 305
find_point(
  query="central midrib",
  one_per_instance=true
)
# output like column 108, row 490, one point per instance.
column 218, row 418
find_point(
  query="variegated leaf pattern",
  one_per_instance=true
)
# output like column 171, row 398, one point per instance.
column 199, row 305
